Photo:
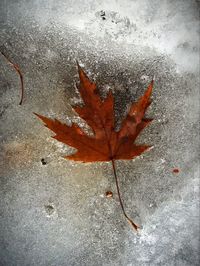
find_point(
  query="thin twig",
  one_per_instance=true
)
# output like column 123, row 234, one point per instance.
column 135, row 226
column 17, row 69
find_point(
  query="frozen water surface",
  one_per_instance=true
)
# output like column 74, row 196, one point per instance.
column 53, row 211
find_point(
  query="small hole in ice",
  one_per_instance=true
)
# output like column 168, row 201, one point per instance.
column 49, row 209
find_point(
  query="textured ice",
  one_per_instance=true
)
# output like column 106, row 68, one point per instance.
column 56, row 213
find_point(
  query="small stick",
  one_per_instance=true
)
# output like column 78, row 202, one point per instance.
column 17, row 69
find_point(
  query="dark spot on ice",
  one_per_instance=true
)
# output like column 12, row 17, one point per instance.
column 176, row 170
column 43, row 161
column 103, row 14
column 109, row 194
column 49, row 209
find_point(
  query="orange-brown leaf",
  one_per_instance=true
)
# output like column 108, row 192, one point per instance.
column 105, row 144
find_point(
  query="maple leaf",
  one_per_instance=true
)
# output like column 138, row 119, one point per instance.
column 106, row 144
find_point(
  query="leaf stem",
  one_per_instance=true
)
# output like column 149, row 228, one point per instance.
column 120, row 199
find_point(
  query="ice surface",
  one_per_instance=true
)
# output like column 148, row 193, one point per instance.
column 56, row 213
